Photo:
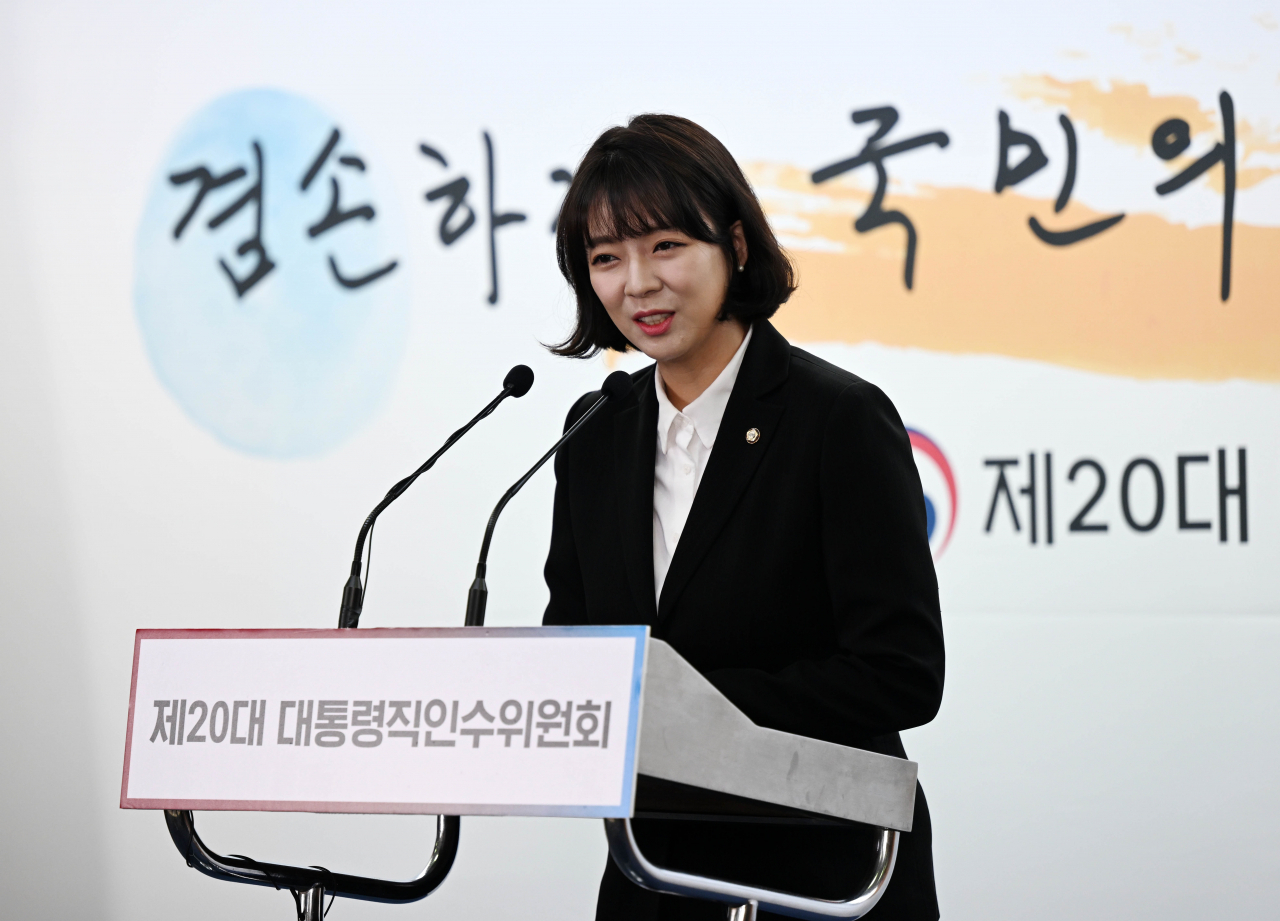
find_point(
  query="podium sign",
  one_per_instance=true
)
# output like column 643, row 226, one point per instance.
column 461, row 721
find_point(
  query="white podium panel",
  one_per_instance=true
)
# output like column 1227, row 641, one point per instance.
column 510, row 721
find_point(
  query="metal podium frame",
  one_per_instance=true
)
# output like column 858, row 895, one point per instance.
column 694, row 738
column 309, row 884
column 744, row 900
column 698, row 757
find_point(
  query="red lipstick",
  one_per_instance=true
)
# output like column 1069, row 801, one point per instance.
column 656, row 329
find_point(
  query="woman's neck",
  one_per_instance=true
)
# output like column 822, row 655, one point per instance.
column 685, row 378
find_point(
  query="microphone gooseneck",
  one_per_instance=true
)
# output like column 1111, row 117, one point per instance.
column 615, row 386
column 516, row 384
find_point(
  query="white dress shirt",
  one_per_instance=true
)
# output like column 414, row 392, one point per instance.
column 685, row 440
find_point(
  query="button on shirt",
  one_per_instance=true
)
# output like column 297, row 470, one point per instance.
column 685, row 440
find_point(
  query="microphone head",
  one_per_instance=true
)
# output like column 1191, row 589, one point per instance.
column 518, row 380
column 617, row 385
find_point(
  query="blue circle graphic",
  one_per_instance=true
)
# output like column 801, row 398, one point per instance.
column 930, row 517
column 270, row 284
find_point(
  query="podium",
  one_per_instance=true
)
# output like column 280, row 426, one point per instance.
column 590, row 722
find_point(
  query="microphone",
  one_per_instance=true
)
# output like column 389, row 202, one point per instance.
column 516, row 384
column 615, row 387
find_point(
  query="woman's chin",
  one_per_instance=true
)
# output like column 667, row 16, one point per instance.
column 661, row 347
column 652, row 349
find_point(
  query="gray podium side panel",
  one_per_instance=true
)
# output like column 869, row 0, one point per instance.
column 691, row 734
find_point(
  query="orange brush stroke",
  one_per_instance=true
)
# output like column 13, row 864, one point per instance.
column 1139, row 300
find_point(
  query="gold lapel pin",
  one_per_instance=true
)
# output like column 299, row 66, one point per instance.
column 753, row 435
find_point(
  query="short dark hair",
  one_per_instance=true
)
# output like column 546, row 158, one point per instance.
column 663, row 172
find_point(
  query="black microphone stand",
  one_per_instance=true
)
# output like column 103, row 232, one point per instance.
column 516, row 384
column 616, row 385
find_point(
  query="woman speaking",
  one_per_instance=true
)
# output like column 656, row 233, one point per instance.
column 756, row 506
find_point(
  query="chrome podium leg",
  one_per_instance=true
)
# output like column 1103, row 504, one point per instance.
column 304, row 880
column 311, row 904
column 743, row 899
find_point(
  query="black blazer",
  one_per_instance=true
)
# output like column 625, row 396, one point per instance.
column 802, row 587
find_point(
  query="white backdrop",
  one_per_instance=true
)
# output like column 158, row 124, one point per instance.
column 1107, row 742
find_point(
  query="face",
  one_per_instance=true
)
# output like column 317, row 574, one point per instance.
column 664, row 291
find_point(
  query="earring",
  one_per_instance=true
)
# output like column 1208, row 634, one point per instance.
column 742, row 268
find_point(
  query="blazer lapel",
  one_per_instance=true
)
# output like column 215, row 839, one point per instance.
column 635, row 434
column 733, row 459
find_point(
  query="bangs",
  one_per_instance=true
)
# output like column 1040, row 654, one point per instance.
column 625, row 198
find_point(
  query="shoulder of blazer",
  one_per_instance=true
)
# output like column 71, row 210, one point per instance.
column 812, row 373
column 818, row 378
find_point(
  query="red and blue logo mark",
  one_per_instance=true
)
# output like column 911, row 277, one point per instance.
column 939, row 484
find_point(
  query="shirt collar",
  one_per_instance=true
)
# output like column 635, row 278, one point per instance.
column 705, row 413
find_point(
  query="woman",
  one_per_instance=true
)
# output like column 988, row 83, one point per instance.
column 757, row 507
